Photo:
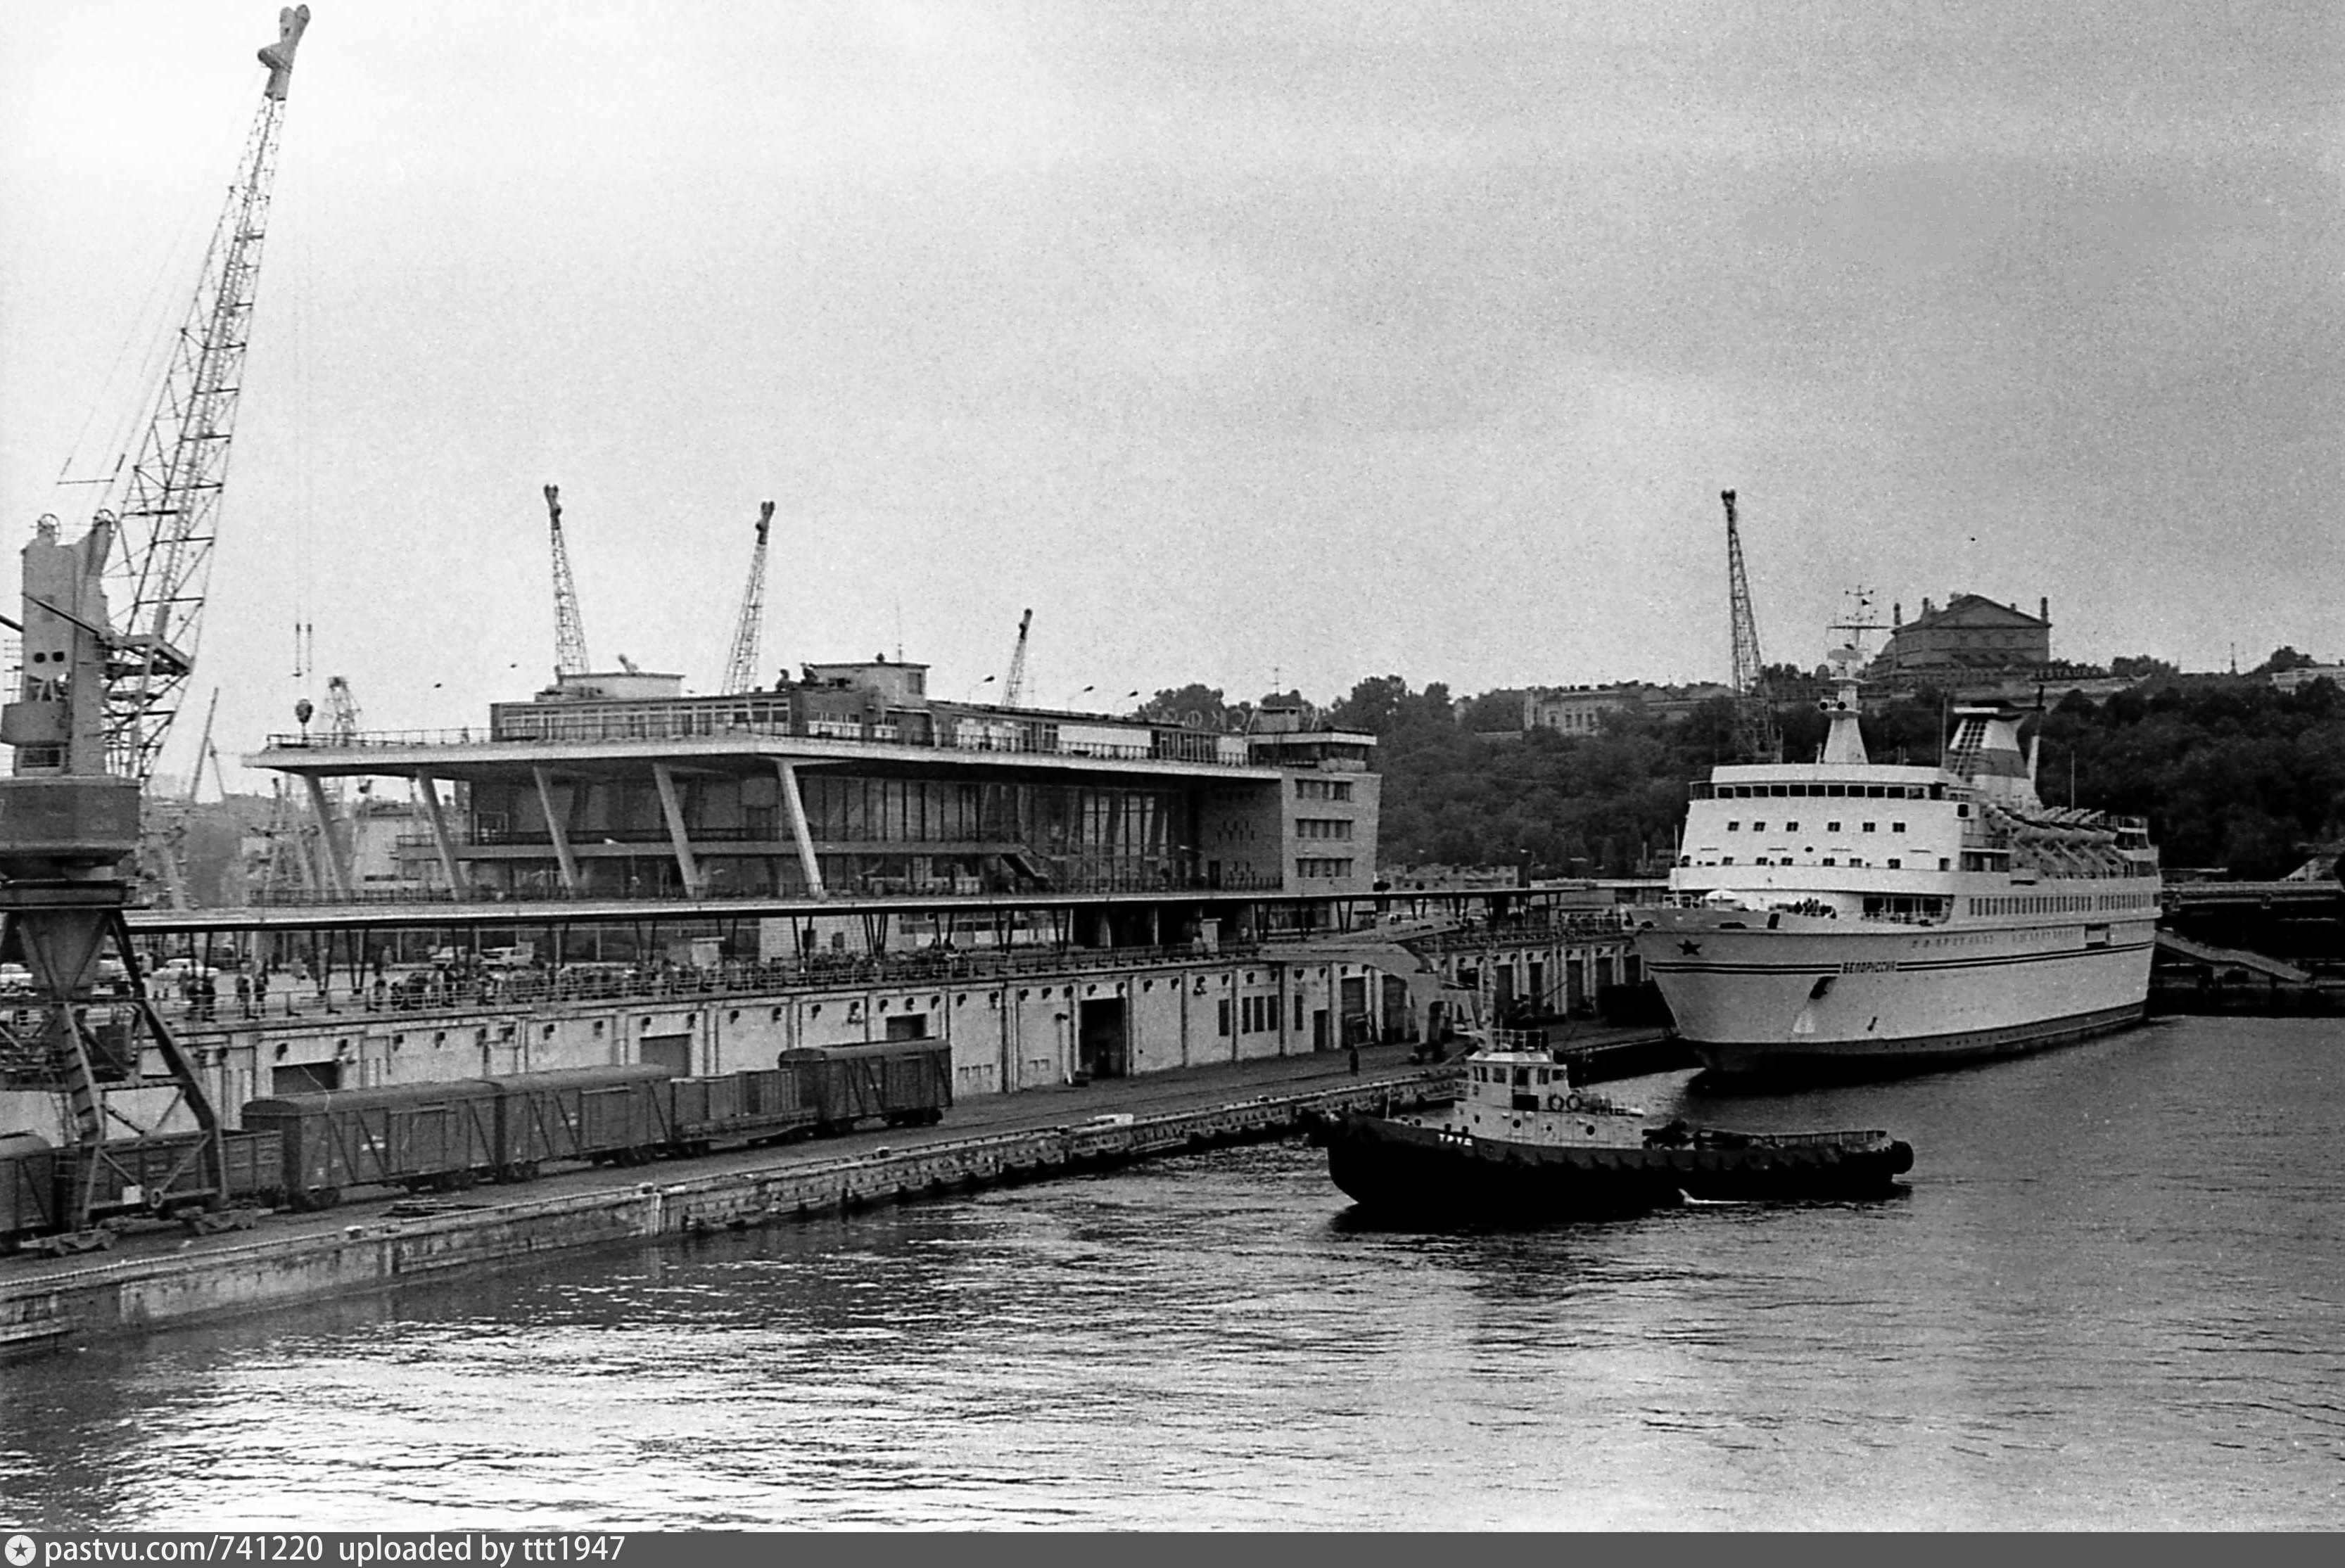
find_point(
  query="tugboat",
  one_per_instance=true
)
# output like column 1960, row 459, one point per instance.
column 1522, row 1143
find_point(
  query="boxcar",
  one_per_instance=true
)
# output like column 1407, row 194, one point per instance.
column 164, row 1172
column 737, row 1108
column 624, row 1114
column 906, row 1082
column 28, row 1187
column 440, row 1135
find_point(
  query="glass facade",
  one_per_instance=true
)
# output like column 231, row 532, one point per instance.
column 871, row 834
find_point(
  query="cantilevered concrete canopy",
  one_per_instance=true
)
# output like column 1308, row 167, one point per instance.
column 516, row 760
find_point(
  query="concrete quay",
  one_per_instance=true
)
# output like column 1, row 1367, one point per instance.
column 158, row 1279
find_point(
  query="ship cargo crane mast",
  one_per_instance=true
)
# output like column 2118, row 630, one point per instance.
column 1014, row 686
column 1755, row 736
column 569, row 633
column 741, row 664
column 168, row 522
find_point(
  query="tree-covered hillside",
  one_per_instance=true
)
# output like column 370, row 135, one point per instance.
column 2230, row 771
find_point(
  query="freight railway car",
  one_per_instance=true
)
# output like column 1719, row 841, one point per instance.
column 158, row 1177
column 28, row 1186
column 741, row 1108
column 905, row 1085
column 306, row 1149
column 446, row 1137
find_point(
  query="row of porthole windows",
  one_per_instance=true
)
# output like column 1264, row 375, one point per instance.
column 1736, row 826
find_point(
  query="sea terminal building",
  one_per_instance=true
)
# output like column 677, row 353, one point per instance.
column 615, row 872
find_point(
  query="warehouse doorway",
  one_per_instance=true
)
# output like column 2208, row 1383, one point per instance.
column 1102, row 1048
column 672, row 1053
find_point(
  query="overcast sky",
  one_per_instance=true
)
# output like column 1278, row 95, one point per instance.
column 1242, row 341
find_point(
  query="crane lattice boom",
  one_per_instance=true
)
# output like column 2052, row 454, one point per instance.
column 569, row 633
column 741, row 664
column 204, row 751
column 1755, row 734
column 168, row 516
column 341, row 712
column 1015, row 686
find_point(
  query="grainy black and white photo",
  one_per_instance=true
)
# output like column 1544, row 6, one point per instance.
column 1167, row 766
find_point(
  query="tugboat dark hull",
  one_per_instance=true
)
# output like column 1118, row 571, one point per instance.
column 1404, row 1170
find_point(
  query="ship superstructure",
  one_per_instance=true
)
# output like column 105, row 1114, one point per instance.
column 1850, row 917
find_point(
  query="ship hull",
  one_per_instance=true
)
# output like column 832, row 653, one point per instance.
column 1822, row 999
column 1405, row 1170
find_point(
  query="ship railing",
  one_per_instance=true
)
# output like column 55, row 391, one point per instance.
column 1814, row 1139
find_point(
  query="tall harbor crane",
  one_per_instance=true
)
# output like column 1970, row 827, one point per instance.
column 341, row 712
column 168, row 521
column 1014, row 685
column 87, row 722
column 168, row 833
column 741, row 664
column 569, row 633
column 1755, row 736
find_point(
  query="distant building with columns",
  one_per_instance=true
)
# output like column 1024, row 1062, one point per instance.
column 1969, row 633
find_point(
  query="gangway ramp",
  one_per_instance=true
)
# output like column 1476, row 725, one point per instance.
column 2174, row 946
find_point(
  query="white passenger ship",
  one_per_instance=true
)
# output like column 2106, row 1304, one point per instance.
column 1847, row 918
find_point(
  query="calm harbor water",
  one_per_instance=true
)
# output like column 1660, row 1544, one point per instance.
column 2114, row 1296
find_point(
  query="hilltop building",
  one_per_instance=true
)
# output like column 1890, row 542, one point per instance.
column 1580, row 710
column 1969, row 634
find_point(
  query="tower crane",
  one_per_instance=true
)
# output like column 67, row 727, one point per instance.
column 741, row 664
column 569, row 633
column 1014, row 686
column 88, row 723
column 168, row 833
column 341, row 712
column 168, row 520
column 1755, row 735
